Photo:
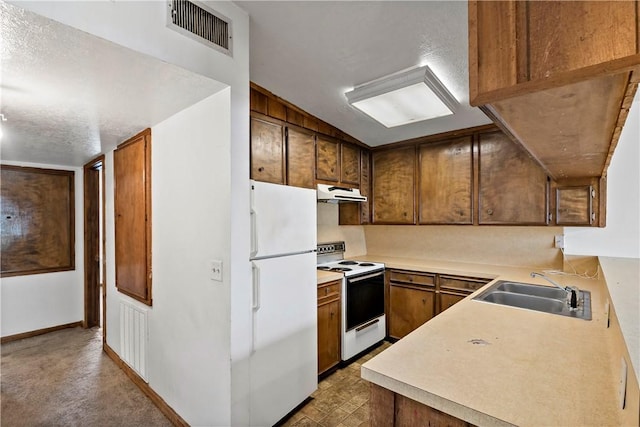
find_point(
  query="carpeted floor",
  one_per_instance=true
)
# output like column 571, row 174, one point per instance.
column 64, row 379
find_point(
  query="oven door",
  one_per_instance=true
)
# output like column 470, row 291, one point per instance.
column 364, row 298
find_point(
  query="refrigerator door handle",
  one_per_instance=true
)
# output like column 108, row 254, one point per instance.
column 255, row 306
column 255, row 276
column 254, row 233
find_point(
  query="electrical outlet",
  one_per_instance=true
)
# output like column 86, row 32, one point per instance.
column 215, row 270
column 559, row 241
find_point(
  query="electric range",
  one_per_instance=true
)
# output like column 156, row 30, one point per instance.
column 363, row 322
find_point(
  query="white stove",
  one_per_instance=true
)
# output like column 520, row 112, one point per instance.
column 331, row 258
column 362, row 315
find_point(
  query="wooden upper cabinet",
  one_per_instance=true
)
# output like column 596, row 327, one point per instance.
column 513, row 188
column 558, row 76
column 349, row 164
column 446, row 182
column 267, row 151
column 359, row 213
column 301, row 148
column 578, row 202
column 132, row 205
column 327, row 159
column 394, row 186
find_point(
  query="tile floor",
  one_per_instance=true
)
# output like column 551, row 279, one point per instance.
column 342, row 399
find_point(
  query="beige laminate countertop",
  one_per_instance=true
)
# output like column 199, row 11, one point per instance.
column 328, row 276
column 490, row 364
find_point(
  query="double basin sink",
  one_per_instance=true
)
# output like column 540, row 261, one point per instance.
column 538, row 298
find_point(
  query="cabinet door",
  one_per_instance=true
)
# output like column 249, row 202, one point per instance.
column 513, row 187
column 574, row 205
column 132, row 205
column 328, row 335
column 327, row 159
column 300, row 158
column 358, row 213
column 446, row 182
column 267, row 151
column 393, row 186
column 409, row 307
column 447, row 299
column 349, row 164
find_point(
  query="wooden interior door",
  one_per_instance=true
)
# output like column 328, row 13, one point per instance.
column 92, row 242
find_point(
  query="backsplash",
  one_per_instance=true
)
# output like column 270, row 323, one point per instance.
column 514, row 246
column 330, row 231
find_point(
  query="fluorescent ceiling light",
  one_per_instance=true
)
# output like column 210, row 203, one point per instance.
column 402, row 98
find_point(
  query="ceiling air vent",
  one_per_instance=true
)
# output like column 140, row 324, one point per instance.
column 210, row 27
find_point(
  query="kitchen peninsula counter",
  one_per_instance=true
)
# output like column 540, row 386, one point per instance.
column 490, row 364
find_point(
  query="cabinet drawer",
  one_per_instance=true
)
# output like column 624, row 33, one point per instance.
column 412, row 278
column 462, row 284
column 329, row 291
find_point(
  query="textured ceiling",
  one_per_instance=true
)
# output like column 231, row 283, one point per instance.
column 69, row 96
column 311, row 53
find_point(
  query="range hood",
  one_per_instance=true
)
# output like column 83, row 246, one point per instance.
column 335, row 194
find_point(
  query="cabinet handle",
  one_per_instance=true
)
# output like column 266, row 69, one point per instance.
column 326, row 291
column 424, row 301
column 261, row 169
column 490, row 211
column 332, row 313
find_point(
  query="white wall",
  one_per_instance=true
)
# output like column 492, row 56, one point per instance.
column 38, row 301
column 621, row 236
column 141, row 25
column 329, row 231
column 191, row 219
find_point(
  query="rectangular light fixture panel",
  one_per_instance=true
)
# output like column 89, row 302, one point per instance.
column 404, row 98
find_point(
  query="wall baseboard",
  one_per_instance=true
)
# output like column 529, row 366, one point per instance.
column 38, row 332
column 167, row 410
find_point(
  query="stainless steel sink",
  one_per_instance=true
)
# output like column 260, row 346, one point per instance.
column 536, row 297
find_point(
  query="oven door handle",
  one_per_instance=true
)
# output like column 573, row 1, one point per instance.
column 368, row 276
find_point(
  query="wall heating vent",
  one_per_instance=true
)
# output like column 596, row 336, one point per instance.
column 134, row 337
column 209, row 27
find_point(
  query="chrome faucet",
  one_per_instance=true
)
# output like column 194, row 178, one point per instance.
column 572, row 291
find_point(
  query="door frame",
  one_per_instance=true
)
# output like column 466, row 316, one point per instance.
column 93, row 226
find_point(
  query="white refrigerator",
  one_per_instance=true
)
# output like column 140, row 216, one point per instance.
column 283, row 363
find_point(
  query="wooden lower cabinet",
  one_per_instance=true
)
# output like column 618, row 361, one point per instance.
column 392, row 409
column 328, row 325
column 412, row 301
column 409, row 307
column 416, row 297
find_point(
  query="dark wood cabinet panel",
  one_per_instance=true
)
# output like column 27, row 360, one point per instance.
column 267, row 151
column 327, row 159
column 513, row 188
column 359, row 213
column 301, row 158
column 447, row 299
column 394, row 186
column 574, row 205
column 561, row 34
column 37, row 220
column 409, row 307
column 132, row 204
column 446, row 182
column 329, row 325
column 349, row 164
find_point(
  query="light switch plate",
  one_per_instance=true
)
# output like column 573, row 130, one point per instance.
column 215, row 270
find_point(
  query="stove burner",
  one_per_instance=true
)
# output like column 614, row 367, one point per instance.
column 348, row 263
column 341, row 269
column 325, row 268
column 366, row 264
column 337, row 269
